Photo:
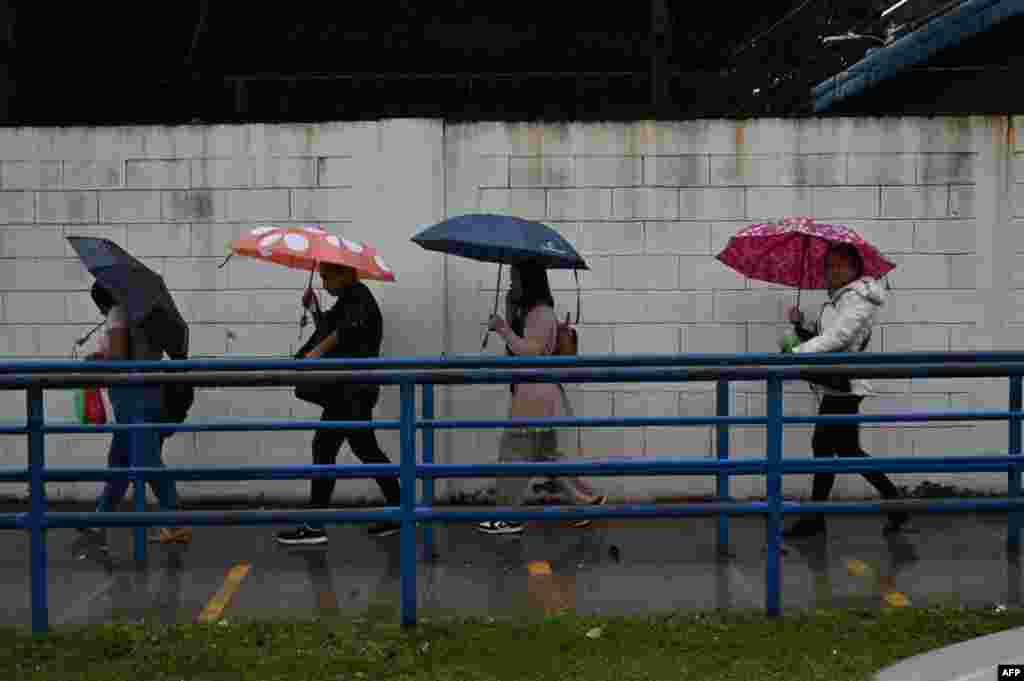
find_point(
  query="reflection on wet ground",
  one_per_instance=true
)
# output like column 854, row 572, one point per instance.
column 615, row 567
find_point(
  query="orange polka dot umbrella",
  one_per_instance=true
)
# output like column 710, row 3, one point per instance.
column 304, row 248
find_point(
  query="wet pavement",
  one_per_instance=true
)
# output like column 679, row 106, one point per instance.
column 614, row 567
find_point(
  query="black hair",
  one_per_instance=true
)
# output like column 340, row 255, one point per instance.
column 536, row 290
column 850, row 252
column 102, row 297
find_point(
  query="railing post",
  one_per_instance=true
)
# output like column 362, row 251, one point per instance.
column 37, row 511
column 773, row 522
column 1016, row 518
column 135, row 443
column 722, row 401
column 428, row 458
column 407, row 549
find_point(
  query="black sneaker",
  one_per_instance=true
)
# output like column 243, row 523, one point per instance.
column 805, row 528
column 384, row 529
column 304, row 535
column 499, row 527
column 897, row 523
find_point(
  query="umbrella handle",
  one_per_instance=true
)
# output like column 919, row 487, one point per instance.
column 497, row 292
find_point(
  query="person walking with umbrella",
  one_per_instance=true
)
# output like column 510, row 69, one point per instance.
column 352, row 328
column 138, row 311
column 530, row 248
column 801, row 252
column 854, row 301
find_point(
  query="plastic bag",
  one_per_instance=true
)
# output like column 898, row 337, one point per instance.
column 90, row 407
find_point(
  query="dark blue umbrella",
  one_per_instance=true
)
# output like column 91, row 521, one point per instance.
column 142, row 291
column 503, row 239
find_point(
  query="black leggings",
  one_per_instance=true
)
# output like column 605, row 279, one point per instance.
column 327, row 444
column 843, row 440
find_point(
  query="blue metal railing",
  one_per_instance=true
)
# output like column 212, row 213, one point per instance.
column 407, row 373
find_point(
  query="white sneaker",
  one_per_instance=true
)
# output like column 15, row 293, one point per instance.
column 499, row 527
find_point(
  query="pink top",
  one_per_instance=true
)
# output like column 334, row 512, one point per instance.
column 536, row 400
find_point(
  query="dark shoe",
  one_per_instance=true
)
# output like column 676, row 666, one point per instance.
column 499, row 527
column 897, row 522
column 586, row 522
column 301, row 536
column 805, row 528
column 384, row 529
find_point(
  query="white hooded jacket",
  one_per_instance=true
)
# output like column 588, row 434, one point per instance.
column 845, row 323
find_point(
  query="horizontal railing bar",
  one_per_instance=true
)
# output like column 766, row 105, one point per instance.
column 591, row 421
column 910, row 505
column 215, row 518
column 12, row 521
column 221, row 426
column 906, row 416
column 13, row 430
column 347, row 471
column 504, row 376
column 481, row 362
column 16, row 475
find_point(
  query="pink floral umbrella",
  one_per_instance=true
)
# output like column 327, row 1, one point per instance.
column 791, row 252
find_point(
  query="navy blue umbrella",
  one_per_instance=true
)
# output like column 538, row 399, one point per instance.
column 142, row 291
column 503, row 239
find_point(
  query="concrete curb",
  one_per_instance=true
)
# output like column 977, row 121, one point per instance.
column 973, row 660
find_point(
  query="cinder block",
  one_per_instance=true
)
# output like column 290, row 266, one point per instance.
column 199, row 205
column 785, row 170
column 646, row 203
column 67, row 207
column 250, row 274
column 646, row 308
column 961, row 202
column 915, row 202
column 307, row 204
column 679, row 442
column 158, row 240
column 922, row 271
column 699, row 404
column 964, row 271
column 722, row 232
column 335, row 171
column 483, row 170
column 611, row 171
column 169, row 173
column 845, row 202
column 35, row 308
column 676, row 171
column 888, row 236
column 712, row 204
column 766, row 203
column 599, row 276
column 594, row 340
column 129, row 206
column 17, row 207
column 677, row 237
column 935, row 307
column 48, row 274
column 945, row 236
column 115, row 233
column 260, row 171
column 646, row 340
column 265, row 340
column 749, row 306
column 541, row 171
column 579, row 204
column 611, row 237
column 635, row 404
column 704, row 273
column 30, row 241
column 530, row 204
column 197, row 274
column 57, row 341
column 214, row 239
column 946, row 168
column 914, row 338
column 88, row 174
column 1018, row 199
column 276, row 308
column 764, row 337
column 30, row 174
column 612, row 442
column 645, row 272
column 19, row 341
column 714, row 339
column 881, row 169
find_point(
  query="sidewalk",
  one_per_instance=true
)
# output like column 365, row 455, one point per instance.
column 974, row 660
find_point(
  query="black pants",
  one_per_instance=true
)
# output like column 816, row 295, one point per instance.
column 327, row 444
column 842, row 439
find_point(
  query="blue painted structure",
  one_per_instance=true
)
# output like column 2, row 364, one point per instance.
column 407, row 373
column 971, row 18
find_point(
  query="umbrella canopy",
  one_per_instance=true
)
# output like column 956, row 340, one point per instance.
column 792, row 252
column 304, row 248
column 142, row 291
column 502, row 239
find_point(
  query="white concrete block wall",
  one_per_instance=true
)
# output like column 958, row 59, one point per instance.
column 648, row 204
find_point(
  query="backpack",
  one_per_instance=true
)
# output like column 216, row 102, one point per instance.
column 567, row 341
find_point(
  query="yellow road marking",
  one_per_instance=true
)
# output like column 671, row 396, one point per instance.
column 215, row 608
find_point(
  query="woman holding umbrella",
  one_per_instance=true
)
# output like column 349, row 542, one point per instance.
column 798, row 251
